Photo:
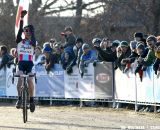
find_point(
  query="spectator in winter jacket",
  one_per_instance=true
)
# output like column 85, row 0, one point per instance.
column 114, row 45
column 69, row 37
column 139, row 37
column 68, row 56
column 38, row 57
column 132, row 57
column 140, row 49
column 156, row 65
column 50, row 58
column 150, row 58
column 52, row 42
column 87, row 57
column 96, row 43
column 14, row 55
column 122, row 59
column 4, row 56
column 105, row 52
column 77, row 51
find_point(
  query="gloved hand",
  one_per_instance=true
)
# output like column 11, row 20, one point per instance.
column 144, row 68
column 94, row 63
column 82, row 74
column 69, row 70
column 23, row 13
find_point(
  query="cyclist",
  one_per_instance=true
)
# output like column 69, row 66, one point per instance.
column 25, row 50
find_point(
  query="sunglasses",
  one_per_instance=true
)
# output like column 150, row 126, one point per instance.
column 52, row 41
column 105, row 40
column 26, row 30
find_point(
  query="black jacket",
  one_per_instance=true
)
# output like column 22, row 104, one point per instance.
column 69, row 40
column 53, row 59
column 106, row 55
column 5, row 60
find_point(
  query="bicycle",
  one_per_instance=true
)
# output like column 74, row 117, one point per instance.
column 24, row 93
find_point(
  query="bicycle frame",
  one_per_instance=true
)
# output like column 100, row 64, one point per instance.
column 24, row 93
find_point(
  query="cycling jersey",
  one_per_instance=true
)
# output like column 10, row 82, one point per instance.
column 25, row 50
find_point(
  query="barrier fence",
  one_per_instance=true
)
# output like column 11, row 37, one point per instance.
column 129, row 87
column 98, row 83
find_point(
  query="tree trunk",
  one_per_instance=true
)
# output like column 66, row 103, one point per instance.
column 156, row 10
column 78, row 15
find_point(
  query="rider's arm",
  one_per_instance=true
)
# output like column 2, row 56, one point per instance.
column 20, row 31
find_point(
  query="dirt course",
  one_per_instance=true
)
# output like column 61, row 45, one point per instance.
column 76, row 118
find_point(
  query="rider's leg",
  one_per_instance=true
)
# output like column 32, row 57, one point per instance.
column 19, row 84
column 31, row 93
column 31, row 88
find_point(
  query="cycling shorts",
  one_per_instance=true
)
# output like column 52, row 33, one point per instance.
column 25, row 66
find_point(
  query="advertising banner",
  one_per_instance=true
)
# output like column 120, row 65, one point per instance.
column 71, row 83
column 124, row 85
column 11, row 88
column 3, row 82
column 103, row 78
column 52, row 84
column 86, row 84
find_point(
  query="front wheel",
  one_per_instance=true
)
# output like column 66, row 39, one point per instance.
column 24, row 103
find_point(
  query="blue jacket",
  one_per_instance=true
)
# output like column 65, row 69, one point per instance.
column 91, row 55
column 70, row 62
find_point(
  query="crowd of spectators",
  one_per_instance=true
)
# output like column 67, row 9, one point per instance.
column 143, row 50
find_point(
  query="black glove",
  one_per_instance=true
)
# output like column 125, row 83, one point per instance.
column 144, row 68
column 23, row 13
column 94, row 63
column 69, row 70
column 82, row 74
column 39, row 64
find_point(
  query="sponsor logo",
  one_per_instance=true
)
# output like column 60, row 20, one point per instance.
column 102, row 78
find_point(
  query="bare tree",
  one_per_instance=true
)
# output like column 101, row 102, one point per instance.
column 7, row 22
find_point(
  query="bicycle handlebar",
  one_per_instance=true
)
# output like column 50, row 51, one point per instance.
column 24, row 75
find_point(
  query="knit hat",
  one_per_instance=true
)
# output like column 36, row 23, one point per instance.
column 79, row 39
column 138, row 34
column 47, row 49
column 46, row 44
column 68, row 28
column 116, row 43
column 133, row 45
column 140, row 46
column 124, row 43
column 151, row 38
column 96, row 40
column 85, row 46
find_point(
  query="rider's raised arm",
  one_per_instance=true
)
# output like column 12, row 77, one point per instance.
column 20, row 31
